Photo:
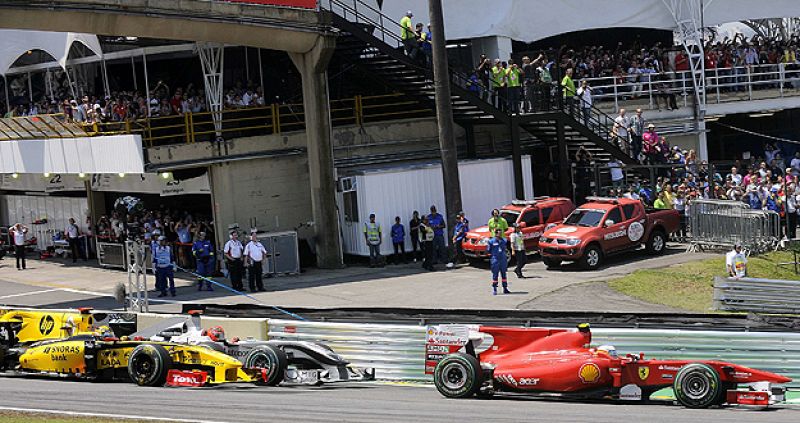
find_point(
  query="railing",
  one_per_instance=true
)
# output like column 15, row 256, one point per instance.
column 717, row 224
column 189, row 128
column 757, row 295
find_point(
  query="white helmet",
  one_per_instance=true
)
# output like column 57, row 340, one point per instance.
column 608, row 349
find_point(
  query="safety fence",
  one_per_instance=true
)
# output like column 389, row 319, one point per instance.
column 757, row 295
column 189, row 128
column 718, row 224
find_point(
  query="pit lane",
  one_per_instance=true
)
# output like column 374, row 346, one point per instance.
column 350, row 402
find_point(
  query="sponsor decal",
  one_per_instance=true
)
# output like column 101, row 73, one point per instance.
column 442, row 349
column 669, row 368
column 667, row 376
column 4, row 335
column 186, row 378
column 441, row 340
column 635, row 231
column 614, row 235
column 589, row 373
column 290, row 329
column 644, row 372
column 528, row 381
column 567, row 230
column 532, row 235
column 742, row 375
column 630, row 392
column 46, row 325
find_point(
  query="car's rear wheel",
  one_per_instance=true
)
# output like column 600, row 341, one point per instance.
column 272, row 359
column 458, row 376
column 149, row 364
column 551, row 262
column 592, row 258
column 698, row 385
column 657, row 243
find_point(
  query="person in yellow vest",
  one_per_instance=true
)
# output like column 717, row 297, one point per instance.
column 373, row 236
column 408, row 35
column 514, row 80
column 568, row 87
column 503, row 86
column 497, row 222
column 497, row 81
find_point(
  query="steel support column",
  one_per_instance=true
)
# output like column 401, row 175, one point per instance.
column 136, row 297
column 212, row 56
column 565, row 164
column 516, row 159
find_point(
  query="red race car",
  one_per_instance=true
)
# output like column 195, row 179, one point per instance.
column 559, row 362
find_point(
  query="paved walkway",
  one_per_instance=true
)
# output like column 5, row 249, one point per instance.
column 58, row 284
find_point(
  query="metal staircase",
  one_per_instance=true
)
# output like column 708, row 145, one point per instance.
column 372, row 41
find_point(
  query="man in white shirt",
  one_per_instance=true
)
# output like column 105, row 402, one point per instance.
column 736, row 262
column 622, row 126
column 233, row 256
column 72, row 233
column 585, row 96
column 736, row 178
column 17, row 234
column 617, row 176
column 254, row 253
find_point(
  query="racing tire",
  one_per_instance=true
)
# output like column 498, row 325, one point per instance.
column 273, row 359
column 149, row 364
column 551, row 262
column 592, row 257
column 657, row 243
column 698, row 385
column 458, row 376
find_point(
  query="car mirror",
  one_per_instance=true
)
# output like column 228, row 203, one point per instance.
column 609, row 223
column 522, row 225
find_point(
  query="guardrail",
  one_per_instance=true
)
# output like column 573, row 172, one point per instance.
column 757, row 295
column 723, row 223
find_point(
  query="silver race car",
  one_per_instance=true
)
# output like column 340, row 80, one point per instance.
column 295, row 362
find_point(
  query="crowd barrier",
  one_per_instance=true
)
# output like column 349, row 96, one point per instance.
column 757, row 295
column 722, row 223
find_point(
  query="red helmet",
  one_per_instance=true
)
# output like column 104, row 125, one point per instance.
column 217, row 334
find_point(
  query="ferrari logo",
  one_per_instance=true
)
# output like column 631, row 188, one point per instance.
column 644, row 372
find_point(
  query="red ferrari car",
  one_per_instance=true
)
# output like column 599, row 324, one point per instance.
column 560, row 362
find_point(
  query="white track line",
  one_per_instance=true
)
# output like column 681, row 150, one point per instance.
column 22, row 294
column 103, row 415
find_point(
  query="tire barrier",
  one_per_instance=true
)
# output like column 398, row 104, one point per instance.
column 716, row 224
column 757, row 295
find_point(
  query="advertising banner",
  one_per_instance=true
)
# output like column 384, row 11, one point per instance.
column 150, row 183
column 301, row 4
column 36, row 182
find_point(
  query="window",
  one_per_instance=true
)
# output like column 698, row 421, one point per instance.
column 629, row 209
column 546, row 212
column 350, row 199
column 614, row 215
column 531, row 218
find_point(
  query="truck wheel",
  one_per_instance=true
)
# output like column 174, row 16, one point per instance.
column 551, row 262
column 657, row 243
column 592, row 258
column 272, row 359
column 697, row 386
column 149, row 364
column 458, row 376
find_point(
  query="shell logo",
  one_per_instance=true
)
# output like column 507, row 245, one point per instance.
column 589, row 373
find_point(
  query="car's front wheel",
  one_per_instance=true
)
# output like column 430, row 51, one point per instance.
column 592, row 257
column 272, row 359
column 458, row 376
column 698, row 385
column 149, row 364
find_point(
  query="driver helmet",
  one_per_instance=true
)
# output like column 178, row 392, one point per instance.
column 105, row 332
column 216, row 334
column 608, row 349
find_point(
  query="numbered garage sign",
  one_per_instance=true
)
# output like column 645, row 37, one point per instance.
column 441, row 340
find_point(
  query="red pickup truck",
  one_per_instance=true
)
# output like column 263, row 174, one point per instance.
column 533, row 216
column 606, row 226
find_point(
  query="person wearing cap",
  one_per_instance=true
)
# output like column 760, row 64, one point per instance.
column 398, row 232
column 436, row 222
column 518, row 250
column 498, row 260
column 373, row 237
column 736, row 262
column 164, row 261
column 254, row 254
column 233, row 260
column 408, row 35
column 459, row 235
column 203, row 252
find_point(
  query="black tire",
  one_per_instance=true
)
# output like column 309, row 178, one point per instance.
column 592, row 257
column 272, row 359
column 657, row 243
column 698, row 386
column 458, row 376
column 551, row 262
column 149, row 364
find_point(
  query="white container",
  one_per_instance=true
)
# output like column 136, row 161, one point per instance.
column 398, row 191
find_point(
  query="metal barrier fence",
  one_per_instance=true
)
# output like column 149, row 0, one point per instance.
column 757, row 295
column 722, row 223
column 397, row 351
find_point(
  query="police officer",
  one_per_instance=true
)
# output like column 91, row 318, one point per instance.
column 498, row 261
column 165, row 267
column 233, row 255
column 203, row 252
column 459, row 234
column 254, row 253
column 518, row 249
column 373, row 237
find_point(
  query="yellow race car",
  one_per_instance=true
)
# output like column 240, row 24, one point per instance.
column 89, row 353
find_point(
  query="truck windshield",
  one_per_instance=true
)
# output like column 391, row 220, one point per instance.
column 510, row 217
column 585, row 217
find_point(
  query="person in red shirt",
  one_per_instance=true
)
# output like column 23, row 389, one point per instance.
column 175, row 102
column 681, row 62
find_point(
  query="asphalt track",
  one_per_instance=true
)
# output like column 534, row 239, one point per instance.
column 352, row 402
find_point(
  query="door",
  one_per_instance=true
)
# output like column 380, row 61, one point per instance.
column 533, row 228
column 614, row 230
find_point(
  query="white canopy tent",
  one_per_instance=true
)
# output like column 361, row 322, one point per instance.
column 16, row 43
column 532, row 20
